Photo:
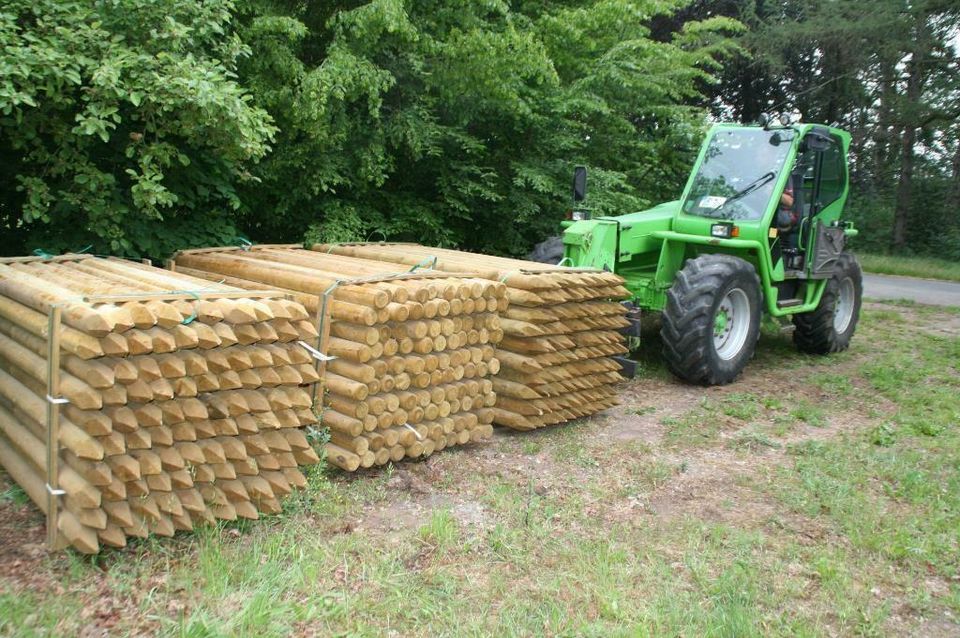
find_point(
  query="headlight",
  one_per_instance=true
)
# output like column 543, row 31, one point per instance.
column 724, row 231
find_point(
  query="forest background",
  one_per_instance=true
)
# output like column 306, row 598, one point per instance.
column 139, row 127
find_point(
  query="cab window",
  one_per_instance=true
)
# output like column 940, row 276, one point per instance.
column 832, row 176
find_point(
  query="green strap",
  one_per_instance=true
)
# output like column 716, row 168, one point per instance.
column 430, row 263
column 318, row 395
column 192, row 317
column 40, row 252
column 565, row 259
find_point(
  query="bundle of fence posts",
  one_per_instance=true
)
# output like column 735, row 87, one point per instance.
column 406, row 355
column 560, row 330
column 137, row 401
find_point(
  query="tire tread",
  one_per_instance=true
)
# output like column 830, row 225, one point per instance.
column 687, row 321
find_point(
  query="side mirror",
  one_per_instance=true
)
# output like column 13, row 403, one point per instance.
column 579, row 183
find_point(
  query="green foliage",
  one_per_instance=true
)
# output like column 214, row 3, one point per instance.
column 459, row 123
column 144, row 127
column 122, row 125
column 887, row 71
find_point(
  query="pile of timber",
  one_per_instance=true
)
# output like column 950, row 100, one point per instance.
column 411, row 351
column 560, row 331
column 184, row 400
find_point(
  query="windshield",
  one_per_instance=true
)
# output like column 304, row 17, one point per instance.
column 738, row 173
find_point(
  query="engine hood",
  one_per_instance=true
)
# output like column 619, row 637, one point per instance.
column 604, row 241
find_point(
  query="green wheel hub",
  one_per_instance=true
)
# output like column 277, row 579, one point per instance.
column 720, row 322
column 731, row 324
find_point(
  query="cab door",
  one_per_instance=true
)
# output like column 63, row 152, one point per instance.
column 820, row 237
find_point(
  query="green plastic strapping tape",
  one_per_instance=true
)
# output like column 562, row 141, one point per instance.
column 84, row 249
column 508, row 275
column 561, row 262
column 192, row 317
column 40, row 252
column 321, row 319
column 244, row 243
column 429, row 263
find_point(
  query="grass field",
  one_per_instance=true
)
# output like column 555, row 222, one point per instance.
column 925, row 267
column 815, row 496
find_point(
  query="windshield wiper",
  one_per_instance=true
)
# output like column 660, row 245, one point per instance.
column 752, row 186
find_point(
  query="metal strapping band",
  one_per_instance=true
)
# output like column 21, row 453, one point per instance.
column 57, row 400
column 414, row 430
column 316, row 354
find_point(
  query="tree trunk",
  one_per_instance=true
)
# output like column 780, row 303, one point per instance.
column 955, row 165
column 885, row 131
column 915, row 79
column 901, row 213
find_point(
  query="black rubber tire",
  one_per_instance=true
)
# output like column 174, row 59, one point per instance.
column 688, row 320
column 815, row 331
column 549, row 251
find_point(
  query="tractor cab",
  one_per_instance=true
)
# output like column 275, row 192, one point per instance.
column 765, row 201
column 784, row 185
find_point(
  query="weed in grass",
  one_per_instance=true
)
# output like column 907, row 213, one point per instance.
column 740, row 405
column 531, row 447
column 640, row 410
column 782, row 424
column 651, row 475
column 771, row 403
column 505, row 542
column 883, row 435
column 697, row 427
column 835, row 384
column 886, row 316
column 441, row 532
column 809, row 413
column 14, row 494
column 752, row 440
column 572, row 449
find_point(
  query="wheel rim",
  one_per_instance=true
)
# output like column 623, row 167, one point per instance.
column 731, row 324
column 843, row 312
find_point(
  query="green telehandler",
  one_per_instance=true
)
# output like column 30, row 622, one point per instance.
column 758, row 228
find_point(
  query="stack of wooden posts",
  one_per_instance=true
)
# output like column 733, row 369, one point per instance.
column 560, row 330
column 412, row 350
column 184, row 400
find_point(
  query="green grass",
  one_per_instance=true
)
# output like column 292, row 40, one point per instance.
column 14, row 494
column 925, row 267
column 816, row 496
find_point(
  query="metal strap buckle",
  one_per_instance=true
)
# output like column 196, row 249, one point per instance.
column 57, row 400
column 53, row 491
column 316, row 354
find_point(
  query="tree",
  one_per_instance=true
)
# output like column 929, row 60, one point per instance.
column 122, row 125
column 883, row 70
column 459, row 123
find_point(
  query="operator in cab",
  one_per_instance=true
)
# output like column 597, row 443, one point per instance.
column 787, row 217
